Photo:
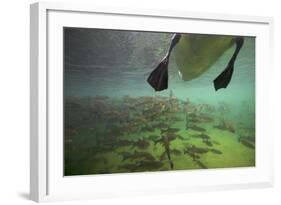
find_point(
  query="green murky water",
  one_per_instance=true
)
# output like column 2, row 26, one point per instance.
column 114, row 122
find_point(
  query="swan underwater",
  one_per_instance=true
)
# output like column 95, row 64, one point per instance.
column 195, row 54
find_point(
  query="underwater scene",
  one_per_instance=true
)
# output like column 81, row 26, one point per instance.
column 138, row 101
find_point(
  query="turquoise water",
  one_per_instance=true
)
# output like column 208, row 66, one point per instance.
column 116, row 123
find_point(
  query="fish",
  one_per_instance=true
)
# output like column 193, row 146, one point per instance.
column 101, row 98
column 202, row 118
column 192, row 154
column 109, row 140
column 100, row 149
column 104, row 171
column 251, row 129
column 131, row 167
column 176, row 119
column 149, row 165
column 175, row 152
column 163, row 156
column 167, row 137
column 215, row 142
column 125, row 155
column 220, row 127
column 147, row 129
column 165, row 141
column 166, row 144
column 226, row 128
column 196, row 128
column 215, row 151
column 153, row 137
column 201, row 136
column 170, row 130
column 249, row 138
column 141, row 144
column 226, row 125
column 171, row 136
column 247, row 143
column 194, row 55
column 200, row 164
column 124, row 142
column 196, row 149
column 194, row 120
column 182, row 138
column 161, row 125
column 205, row 118
column 139, row 156
column 207, row 142
column 192, row 115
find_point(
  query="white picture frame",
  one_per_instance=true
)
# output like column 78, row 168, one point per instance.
column 47, row 182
